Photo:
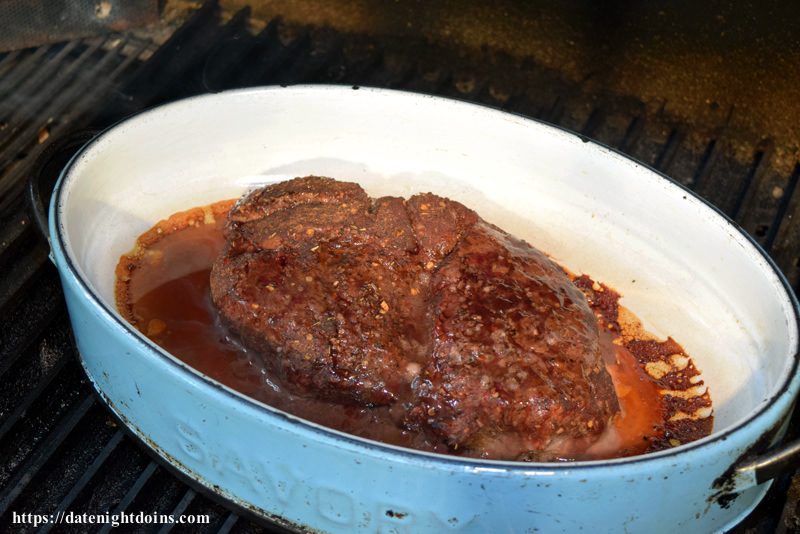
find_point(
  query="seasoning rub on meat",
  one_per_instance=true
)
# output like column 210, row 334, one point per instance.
column 463, row 330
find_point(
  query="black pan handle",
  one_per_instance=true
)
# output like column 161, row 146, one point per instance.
column 761, row 466
column 769, row 465
column 46, row 170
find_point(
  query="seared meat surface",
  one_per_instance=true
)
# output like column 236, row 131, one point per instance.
column 467, row 333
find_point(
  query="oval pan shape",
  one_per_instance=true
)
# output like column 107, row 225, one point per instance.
column 683, row 268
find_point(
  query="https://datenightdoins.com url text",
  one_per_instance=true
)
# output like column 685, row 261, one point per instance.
column 113, row 519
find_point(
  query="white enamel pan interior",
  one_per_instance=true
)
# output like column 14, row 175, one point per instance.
column 680, row 266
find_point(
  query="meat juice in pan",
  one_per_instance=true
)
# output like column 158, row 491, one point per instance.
column 411, row 322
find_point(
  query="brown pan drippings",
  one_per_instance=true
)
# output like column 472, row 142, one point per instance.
column 163, row 289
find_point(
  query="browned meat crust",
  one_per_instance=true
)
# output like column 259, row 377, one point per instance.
column 468, row 332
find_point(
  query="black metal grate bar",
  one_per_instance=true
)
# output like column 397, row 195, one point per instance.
column 667, row 155
column 29, row 399
column 17, row 484
column 596, row 120
column 9, row 61
column 28, row 321
column 22, row 274
column 21, row 70
column 611, row 128
column 223, row 57
column 131, row 494
column 179, row 509
column 707, row 162
column 87, row 476
column 632, row 134
column 15, row 97
column 786, row 247
column 113, row 481
column 784, row 195
column 164, row 73
column 75, row 107
column 11, row 235
column 228, row 524
column 23, row 331
column 269, row 54
column 751, row 182
column 393, row 71
column 25, row 108
column 32, row 429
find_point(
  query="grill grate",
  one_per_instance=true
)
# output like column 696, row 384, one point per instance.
column 59, row 448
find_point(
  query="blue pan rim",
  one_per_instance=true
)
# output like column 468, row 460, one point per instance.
column 401, row 452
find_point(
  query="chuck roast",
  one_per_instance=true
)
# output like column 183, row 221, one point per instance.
column 466, row 332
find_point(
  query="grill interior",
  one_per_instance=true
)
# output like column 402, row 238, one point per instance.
column 59, row 448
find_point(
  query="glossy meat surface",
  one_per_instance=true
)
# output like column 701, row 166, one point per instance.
column 465, row 332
